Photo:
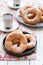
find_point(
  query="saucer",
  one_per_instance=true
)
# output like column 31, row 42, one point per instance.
column 14, row 27
column 10, row 4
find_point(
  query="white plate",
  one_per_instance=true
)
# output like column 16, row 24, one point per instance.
column 40, row 24
column 10, row 4
column 14, row 26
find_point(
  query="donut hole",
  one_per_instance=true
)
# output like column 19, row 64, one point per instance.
column 31, row 15
column 28, row 40
column 42, row 14
column 16, row 44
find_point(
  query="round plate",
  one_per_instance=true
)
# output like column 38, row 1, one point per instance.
column 19, row 18
column 10, row 4
column 25, row 53
column 15, row 26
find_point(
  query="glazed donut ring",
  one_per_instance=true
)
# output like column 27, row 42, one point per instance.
column 36, row 18
column 16, row 42
column 41, row 8
column 22, row 10
column 31, row 41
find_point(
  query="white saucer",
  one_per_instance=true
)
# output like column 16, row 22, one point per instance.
column 14, row 27
column 10, row 4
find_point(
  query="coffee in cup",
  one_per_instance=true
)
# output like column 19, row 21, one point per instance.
column 16, row 2
column 8, row 20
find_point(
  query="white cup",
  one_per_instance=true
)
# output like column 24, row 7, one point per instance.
column 8, row 20
column 16, row 2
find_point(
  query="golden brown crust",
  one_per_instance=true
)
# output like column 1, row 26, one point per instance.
column 16, row 37
column 32, row 40
column 41, row 8
column 16, row 41
column 22, row 10
column 33, row 18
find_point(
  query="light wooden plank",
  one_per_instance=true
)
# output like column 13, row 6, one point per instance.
column 35, row 63
column 18, row 63
column 3, row 62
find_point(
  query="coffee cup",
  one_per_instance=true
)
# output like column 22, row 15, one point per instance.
column 16, row 2
column 8, row 20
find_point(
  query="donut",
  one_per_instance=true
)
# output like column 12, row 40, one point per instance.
column 22, row 10
column 35, row 18
column 16, row 42
column 31, row 41
column 41, row 8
